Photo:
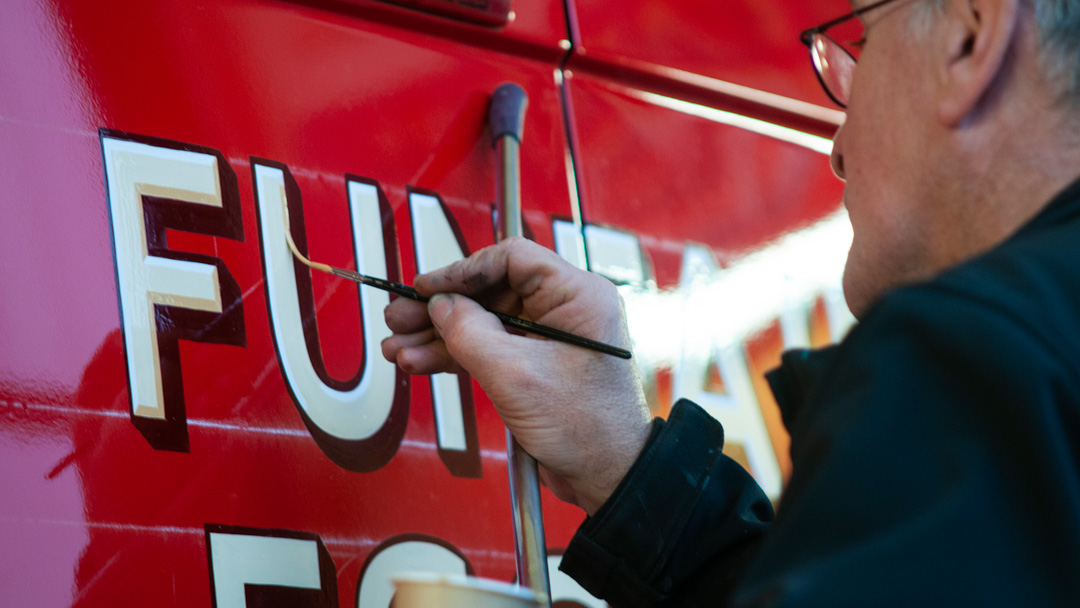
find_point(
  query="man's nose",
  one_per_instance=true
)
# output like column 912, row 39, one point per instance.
column 836, row 158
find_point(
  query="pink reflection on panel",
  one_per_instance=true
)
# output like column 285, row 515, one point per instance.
column 41, row 516
column 53, row 216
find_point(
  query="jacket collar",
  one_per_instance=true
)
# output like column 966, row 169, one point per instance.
column 1064, row 207
column 794, row 382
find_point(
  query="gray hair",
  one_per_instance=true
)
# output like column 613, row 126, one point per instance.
column 1059, row 39
column 1059, row 34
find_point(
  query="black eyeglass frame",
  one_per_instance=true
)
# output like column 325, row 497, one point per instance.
column 807, row 38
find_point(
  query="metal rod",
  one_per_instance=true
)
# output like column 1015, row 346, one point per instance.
column 508, row 107
column 508, row 183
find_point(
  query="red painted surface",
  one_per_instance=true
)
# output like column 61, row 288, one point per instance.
column 91, row 514
column 673, row 177
column 495, row 13
column 744, row 43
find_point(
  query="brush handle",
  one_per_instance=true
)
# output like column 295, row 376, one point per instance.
column 560, row 335
column 407, row 291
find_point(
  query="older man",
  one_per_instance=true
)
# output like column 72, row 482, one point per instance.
column 936, row 450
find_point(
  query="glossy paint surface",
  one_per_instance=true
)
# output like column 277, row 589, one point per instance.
column 680, row 172
column 96, row 513
column 340, row 99
column 744, row 43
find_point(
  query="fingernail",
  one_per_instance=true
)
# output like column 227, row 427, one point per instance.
column 404, row 362
column 439, row 306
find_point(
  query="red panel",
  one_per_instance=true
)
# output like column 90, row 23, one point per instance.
column 493, row 12
column 674, row 177
column 737, row 41
column 91, row 514
column 535, row 28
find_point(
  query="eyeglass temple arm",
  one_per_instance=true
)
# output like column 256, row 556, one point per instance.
column 805, row 35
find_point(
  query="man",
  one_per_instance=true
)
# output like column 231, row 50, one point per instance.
column 936, row 451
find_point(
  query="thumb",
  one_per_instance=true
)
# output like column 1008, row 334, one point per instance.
column 472, row 334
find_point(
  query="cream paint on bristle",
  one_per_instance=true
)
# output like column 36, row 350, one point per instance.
column 293, row 248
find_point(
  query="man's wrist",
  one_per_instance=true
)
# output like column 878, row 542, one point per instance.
column 592, row 494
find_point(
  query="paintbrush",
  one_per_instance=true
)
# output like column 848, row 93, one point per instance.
column 407, row 291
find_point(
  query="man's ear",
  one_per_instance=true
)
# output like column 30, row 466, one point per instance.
column 975, row 37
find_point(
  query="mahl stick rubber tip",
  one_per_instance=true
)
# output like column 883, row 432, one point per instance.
column 507, row 112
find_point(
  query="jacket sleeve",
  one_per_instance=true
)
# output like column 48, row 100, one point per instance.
column 681, row 525
column 935, row 465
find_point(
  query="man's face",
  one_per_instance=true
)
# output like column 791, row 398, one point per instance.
column 880, row 152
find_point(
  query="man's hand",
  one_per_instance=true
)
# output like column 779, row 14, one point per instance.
column 580, row 413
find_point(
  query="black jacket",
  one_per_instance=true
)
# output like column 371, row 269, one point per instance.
column 936, row 459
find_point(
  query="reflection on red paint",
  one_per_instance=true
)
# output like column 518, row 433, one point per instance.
column 91, row 513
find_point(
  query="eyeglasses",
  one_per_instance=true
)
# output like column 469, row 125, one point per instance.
column 833, row 63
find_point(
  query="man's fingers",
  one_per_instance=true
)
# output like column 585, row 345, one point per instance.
column 405, row 316
column 430, row 358
column 472, row 333
column 509, row 264
column 473, row 336
column 396, row 342
column 422, row 352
